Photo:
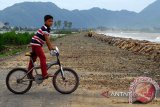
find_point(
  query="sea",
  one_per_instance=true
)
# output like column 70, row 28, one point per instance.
column 153, row 37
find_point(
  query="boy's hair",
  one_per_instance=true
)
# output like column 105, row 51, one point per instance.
column 46, row 17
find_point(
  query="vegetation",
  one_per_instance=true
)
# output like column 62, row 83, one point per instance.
column 66, row 27
column 1, row 44
column 12, row 43
column 11, row 39
column 11, row 50
column 57, row 24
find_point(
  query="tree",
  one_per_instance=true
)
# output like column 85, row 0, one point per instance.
column 6, row 25
column 69, row 25
column 65, row 24
column 59, row 23
column 55, row 24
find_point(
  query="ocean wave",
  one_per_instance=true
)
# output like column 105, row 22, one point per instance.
column 153, row 37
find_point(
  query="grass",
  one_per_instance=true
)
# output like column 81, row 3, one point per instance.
column 11, row 50
column 10, row 53
column 12, row 43
column 1, row 44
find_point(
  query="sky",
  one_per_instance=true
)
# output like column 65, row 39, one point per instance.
column 131, row 5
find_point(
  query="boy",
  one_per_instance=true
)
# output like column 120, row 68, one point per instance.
column 41, row 36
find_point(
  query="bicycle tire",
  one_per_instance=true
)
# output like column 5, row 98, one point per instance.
column 8, row 84
column 56, row 86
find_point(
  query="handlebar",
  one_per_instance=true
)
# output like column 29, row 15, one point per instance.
column 55, row 52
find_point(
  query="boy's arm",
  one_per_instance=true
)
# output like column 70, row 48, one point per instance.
column 48, row 42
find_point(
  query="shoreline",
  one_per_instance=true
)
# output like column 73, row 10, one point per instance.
column 144, row 47
column 152, row 37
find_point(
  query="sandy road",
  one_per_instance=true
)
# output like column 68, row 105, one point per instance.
column 100, row 67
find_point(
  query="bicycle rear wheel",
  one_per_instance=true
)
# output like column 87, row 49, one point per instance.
column 16, row 84
column 67, row 85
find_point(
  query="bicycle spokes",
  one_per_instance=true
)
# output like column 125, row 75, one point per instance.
column 18, row 81
column 66, row 84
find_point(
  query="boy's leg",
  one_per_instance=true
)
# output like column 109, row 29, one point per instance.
column 40, row 53
column 30, row 65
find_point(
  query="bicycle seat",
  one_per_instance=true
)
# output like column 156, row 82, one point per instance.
column 29, row 54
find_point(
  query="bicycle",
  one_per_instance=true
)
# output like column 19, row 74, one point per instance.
column 18, row 80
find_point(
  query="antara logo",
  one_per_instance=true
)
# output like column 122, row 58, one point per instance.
column 108, row 94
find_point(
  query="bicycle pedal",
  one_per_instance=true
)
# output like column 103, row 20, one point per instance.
column 51, row 76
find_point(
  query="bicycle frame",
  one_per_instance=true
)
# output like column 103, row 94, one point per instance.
column 49, row 65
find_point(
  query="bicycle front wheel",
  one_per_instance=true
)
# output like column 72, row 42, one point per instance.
column 17, row 81
column 68, row 84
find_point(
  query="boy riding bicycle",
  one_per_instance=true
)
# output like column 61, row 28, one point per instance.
column 19, row 80
column 42, row 36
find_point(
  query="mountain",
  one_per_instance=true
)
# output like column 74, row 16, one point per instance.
column 30, row 14
column 149, row 17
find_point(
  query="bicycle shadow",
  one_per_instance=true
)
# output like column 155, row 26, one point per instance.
column 47, row 98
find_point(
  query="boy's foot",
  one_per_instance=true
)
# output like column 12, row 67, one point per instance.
column 47, row 76
column 31, row 77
